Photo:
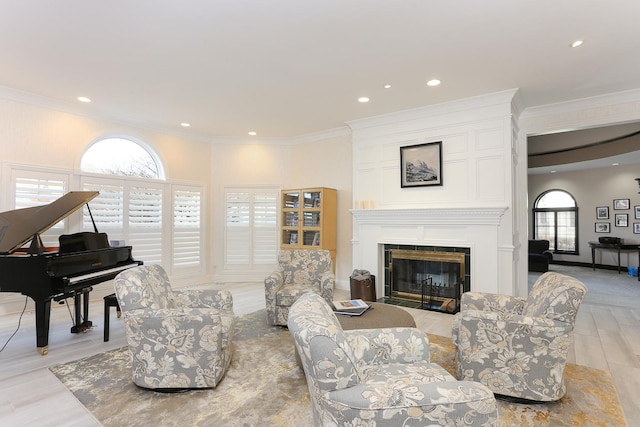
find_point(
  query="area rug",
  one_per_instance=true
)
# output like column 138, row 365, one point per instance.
column 265, row 387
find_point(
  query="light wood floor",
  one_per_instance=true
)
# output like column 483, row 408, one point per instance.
column 607, row 337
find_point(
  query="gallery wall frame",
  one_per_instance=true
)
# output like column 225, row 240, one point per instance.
column 622, row 220
column 421, row 165
column 602, row 212
column 636, row 210
column 621, row 204
column 603, row 227
column 636, row 227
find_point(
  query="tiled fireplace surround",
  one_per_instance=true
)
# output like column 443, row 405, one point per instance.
column 457, row 229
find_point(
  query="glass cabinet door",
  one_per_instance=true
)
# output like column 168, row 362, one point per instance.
column 291, row 200
column 311, row 238
column 311, row 219
column 290, row 219
column 311, row 199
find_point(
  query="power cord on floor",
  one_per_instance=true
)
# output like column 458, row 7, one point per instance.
column 19, row 322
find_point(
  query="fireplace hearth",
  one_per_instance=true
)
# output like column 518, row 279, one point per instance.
column 431, row 278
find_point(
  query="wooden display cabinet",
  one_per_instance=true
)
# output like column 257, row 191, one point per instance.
column 309, row 218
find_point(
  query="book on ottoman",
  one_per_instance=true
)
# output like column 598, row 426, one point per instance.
column 352, row 307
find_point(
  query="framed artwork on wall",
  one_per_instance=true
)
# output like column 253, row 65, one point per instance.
column 622, row 220
column 602, row 212
column 603, row 227
column 421, row 165
column 637, row 212
column 620, row 204
column 636, row 227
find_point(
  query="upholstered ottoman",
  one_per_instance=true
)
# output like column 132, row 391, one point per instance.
column 381, row 316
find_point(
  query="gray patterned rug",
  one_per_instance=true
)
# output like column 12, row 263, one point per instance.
column 265, row 387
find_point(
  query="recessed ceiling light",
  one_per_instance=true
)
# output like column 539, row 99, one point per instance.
column 252, row 133
column 185, row 124
column 554, row 171
column 615, row 164
column 83, row 99
column 387, row 86
column 576, row 43
column 434, row 82
column 363, row 99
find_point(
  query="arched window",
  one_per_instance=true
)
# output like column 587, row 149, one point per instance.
column 555, row 218
column 120, row 156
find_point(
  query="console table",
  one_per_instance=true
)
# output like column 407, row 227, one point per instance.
column 614, row 247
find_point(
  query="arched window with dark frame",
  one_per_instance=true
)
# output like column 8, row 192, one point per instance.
column 555, row 218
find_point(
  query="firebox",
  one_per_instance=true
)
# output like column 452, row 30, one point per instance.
column 433, row 279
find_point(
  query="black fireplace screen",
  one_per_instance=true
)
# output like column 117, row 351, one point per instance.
column 434, row 278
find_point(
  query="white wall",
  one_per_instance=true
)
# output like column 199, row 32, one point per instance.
column 478, row 154
column 327, row 162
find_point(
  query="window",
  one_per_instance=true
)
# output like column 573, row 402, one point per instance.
column 555, row 218
column 251, row 229
column 120, row 156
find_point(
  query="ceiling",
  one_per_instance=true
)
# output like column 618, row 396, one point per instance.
column 286, row 68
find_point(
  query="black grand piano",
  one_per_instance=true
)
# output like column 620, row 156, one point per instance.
column 82, row 260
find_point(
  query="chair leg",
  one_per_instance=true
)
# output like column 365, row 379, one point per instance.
column 110, row 301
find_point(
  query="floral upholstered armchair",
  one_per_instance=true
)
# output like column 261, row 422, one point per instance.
column 299, row 271
column 379, row 376
column 177, row 339
column 516, row 346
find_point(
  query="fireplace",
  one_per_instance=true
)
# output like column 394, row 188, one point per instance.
column 431, row 278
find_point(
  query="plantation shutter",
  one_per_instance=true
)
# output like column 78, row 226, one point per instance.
column 251, row 232
column 187, row 241
column 145, row 222
column 37, row 189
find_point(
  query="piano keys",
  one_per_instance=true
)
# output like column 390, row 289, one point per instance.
column 82, row 261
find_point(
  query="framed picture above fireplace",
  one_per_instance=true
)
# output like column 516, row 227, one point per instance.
column 421, row 165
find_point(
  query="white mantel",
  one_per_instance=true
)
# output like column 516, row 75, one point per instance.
column 475, row 228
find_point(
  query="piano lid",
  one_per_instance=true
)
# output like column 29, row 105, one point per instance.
column 17, row 227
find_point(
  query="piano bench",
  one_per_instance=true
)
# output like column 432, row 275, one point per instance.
column 109, row 301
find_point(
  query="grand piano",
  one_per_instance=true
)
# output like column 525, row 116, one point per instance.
column 81, row 261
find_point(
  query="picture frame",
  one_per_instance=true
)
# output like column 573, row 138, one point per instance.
column 637, row 212
column 622, row 220
column 421, row 165
column 602, row 212
column 603, row 227
column 636, row 228
column 621, row 204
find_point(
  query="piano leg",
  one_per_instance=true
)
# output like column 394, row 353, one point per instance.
column 81, row 326
column 43, row 315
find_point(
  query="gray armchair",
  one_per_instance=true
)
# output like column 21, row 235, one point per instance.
column 299, row 271
column 379, row 376
column 177, row 339
column 516, row 346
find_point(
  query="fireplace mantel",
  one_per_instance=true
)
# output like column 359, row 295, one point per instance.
column 473, row 227
column 430, row 216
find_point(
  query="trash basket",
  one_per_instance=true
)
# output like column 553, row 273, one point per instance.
column 364, row 289
column 633, row 271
